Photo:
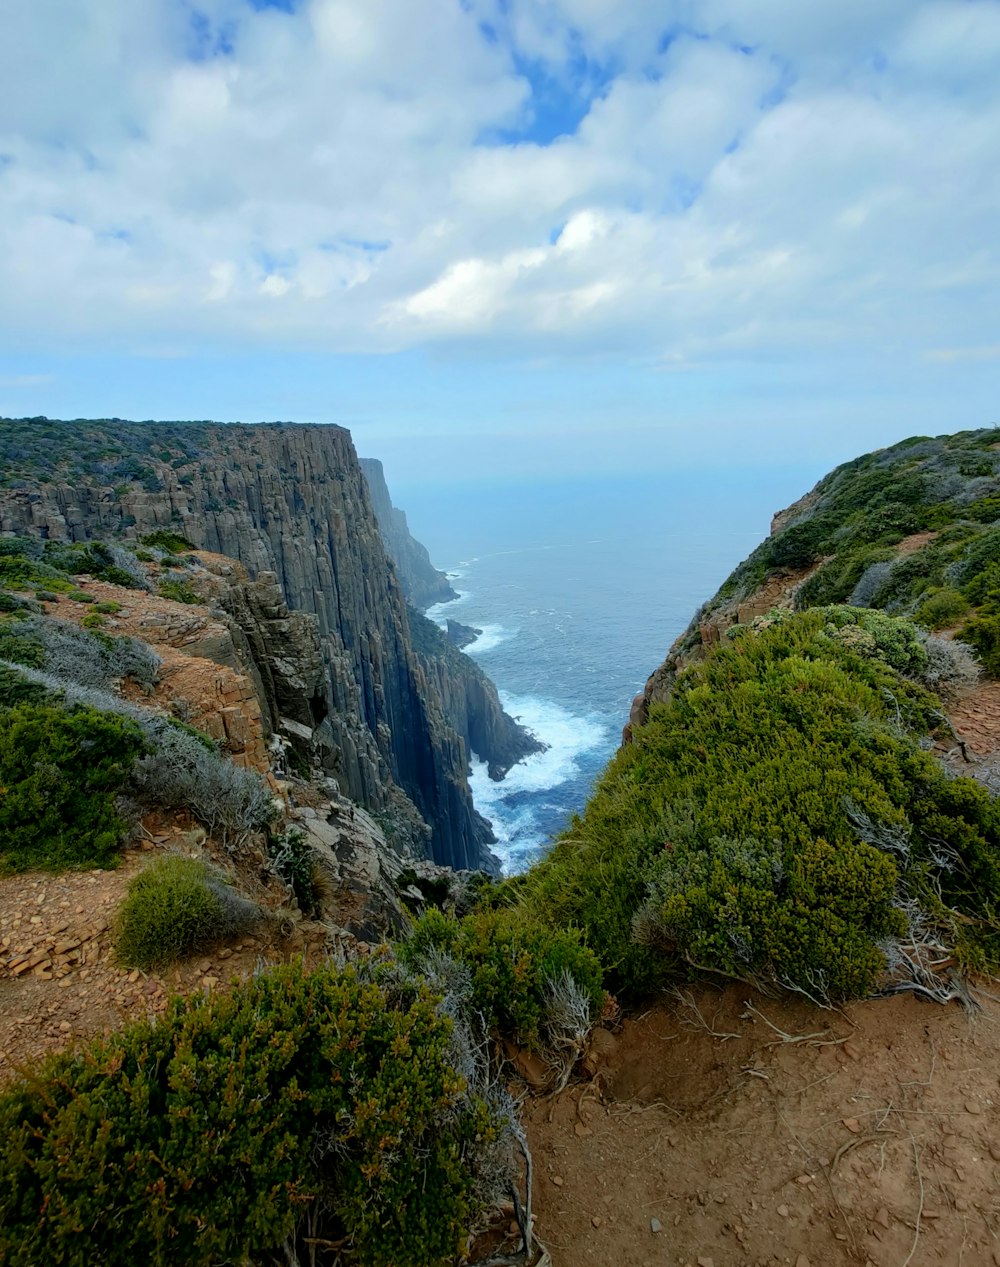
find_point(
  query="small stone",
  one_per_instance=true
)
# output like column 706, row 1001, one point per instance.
column 802, row 1261
column 557, row 1180
column 706, row 1262
column 596, row 1221
column 972, row 1107
column 882, row 1216
column 582, row 1131
column 209, row 983
column 64, row 1026
column 804, row 1180
column 852, row 1124
column 655, row 1226
column 783, row 1211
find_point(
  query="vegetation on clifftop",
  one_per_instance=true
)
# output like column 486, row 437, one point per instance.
column 778, row 820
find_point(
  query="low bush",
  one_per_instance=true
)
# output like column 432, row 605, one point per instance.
column 725, row 822
column 178, row 591
column 941, row 608
column 292, row 858
column 169, row 542
column 16, row 689
column 178, row 767
column 60, row 772
column 982, row 633
column 175, row 907
column 513, row 962
column 300, row 1109
column 83, row 656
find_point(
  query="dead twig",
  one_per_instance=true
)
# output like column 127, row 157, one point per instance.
column 920, row 1204
column 820, row 1039
column 844, row 1149
column 930, row 1076
column 686, row 999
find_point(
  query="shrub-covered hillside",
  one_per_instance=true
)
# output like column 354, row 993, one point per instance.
column 779, row 819
column 938, row 498
column 780, row 816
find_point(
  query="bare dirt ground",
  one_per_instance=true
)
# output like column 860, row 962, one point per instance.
column 59, row 982
column 867, row 1136
column 976, row 719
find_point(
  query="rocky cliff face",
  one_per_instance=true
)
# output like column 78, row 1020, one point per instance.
column 292, row 505
column 468, row 700
column 423, row 585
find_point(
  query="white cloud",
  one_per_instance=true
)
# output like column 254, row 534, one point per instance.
column 742, row 177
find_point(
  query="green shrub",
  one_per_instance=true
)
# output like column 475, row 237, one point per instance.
column 982, row 633
column 107, row 562
column 291, row 856
column 513, row 962
column 60, row 771
column 20, row 644
column 178, row 591
column 108, row 608
column 8, row 603
column 175, row 907
column 16, row 689
column 941, row 608
column 756, row 756
column 81, row 596
column 319, row 1104
column 170, row 542
column 92, row 621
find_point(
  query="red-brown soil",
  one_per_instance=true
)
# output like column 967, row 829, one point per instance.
column 58, row 978
column 876, row 1141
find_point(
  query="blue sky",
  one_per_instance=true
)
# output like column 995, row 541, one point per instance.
column 508, row 236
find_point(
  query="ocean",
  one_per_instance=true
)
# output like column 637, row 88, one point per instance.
column 579, row 588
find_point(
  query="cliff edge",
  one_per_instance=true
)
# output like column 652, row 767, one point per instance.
column 291, row 504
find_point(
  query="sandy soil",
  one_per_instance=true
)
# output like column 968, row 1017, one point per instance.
column 870, row 1135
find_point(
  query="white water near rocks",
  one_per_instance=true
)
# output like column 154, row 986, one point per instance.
column 579, row 589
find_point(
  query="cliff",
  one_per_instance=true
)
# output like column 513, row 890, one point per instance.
column 423, row 585
column 469, row 700
column 291, row 504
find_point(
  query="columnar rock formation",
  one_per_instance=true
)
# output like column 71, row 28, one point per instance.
column 292, row 505
column 422, row 583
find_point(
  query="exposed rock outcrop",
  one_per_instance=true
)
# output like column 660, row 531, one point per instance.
column 468, row 700
column 422, row 583
column 292, row 506
column 461, row 635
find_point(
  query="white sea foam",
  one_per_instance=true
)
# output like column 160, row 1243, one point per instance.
column 515, row 824
column 491, row 637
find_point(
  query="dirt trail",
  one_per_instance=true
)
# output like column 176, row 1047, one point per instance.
column 976, row 719
column 875, row 1142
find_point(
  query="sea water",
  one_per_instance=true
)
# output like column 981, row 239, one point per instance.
column 579, row 588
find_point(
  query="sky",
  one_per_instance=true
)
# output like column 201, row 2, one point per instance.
column 508, row 237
